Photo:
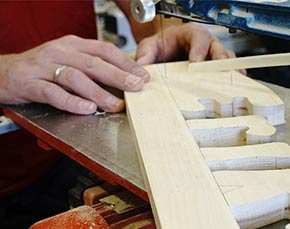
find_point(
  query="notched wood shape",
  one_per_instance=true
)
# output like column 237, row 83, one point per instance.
column 241, row 187
column 233, row 131
column 181, row 188
column 256, row 198
column 219, row 94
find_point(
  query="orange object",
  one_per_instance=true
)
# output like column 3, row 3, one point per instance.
column 84, row 217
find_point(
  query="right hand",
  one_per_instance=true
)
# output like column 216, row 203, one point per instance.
column 29, row 76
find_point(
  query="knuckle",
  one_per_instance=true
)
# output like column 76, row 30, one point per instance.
column 54, row 97
column 204, row 33
column 109, row 47
column 217, row 42
column 98, row 44
column 91, row 63
column 68, row 101
column 129, row 64
column 70, row 75
column 70, row 37
column 49, row 49
column 207, row 34
column 48, row 92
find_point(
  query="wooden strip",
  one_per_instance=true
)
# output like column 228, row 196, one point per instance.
column 181, row 188
column 269, row 60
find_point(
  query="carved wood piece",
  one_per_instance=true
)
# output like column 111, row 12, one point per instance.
column 181, row 188
column 240, row 187
column 220, row 94
column 242, row 130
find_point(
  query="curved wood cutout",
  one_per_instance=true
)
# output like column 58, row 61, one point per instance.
column 240, row 187
column 242, row 130
column 220, row 94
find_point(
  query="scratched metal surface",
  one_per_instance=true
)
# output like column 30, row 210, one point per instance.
column 107, row 139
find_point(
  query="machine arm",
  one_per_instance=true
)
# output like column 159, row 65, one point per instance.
column 268, row 17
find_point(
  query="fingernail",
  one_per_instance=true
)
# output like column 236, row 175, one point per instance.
column 141, row 72
column 112, row 102
column 88, row 107
column 133, row 81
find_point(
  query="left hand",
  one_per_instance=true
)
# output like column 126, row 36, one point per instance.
column 188, row 38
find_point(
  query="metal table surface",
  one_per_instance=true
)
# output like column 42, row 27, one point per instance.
column 103, row 144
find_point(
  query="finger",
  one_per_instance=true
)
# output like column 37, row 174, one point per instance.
column 109, row 53
column 147, row 52
column 46, row 92
column 243, row 71
column 102, row 71
column 218, row 51
column 199, row 47
column 77, row 82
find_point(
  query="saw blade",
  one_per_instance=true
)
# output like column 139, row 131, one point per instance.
column 163, row 46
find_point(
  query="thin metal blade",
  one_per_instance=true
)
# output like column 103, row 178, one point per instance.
column 163, row 46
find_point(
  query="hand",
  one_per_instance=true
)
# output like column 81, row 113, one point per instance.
column 188, row 38
column 29, row 76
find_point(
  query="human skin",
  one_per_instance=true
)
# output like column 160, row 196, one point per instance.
column 29, row 76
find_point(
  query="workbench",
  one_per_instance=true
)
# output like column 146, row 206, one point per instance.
column 102, row 143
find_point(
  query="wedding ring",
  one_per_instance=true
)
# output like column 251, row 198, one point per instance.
column 57, row 72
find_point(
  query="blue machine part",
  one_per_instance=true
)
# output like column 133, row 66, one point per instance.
column 6, row 125
column 270, row 17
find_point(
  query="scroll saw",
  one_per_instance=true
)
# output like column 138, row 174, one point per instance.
column 267, row 17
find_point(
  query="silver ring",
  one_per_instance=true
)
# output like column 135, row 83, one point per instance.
column 57, row 72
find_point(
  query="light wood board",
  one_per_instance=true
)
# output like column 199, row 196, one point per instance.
column 181, row 188
column 270, row 60
column 240, row 187
column 221, row 94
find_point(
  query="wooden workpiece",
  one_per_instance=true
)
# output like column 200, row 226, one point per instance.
column 246, row 186
column 220, row 94
column 233, row 131
column 181, row 187
column 270, row 60
column 176, row 176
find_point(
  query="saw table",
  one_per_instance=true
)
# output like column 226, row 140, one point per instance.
column 102, row 143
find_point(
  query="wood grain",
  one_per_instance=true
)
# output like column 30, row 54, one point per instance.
column 233, row 131
column 240, row 187
column 181, row 188
column 257, row 197
column 221, row 94
column 269, row 60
